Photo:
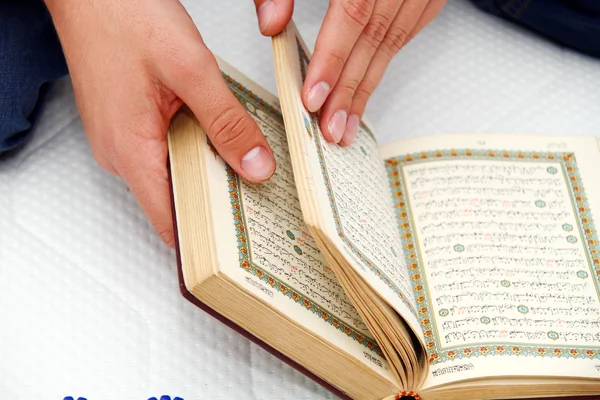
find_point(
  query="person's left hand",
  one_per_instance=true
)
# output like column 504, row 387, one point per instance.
column 356, row 43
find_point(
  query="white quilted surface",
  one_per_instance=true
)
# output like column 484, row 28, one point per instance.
column 89, row 303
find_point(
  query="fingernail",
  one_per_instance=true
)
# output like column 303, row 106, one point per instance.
column 317, row 96
column 351, row 129
column 337, row 124
column 265, row 14
column 258, row 164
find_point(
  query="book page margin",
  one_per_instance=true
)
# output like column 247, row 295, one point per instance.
column 234, row 256
column 312, row 143
column 444, row 369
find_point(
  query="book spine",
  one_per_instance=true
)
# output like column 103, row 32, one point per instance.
column 403, row 396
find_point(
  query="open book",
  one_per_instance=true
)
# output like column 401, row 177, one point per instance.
column 442, row 267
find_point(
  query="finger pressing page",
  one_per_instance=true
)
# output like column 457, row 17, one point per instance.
column 343, row 24
column 233, row 132
column 369, row 83
column 340, row 99
column 273, row 15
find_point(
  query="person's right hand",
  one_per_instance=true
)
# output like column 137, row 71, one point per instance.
column 133, row 63
column 357, row 41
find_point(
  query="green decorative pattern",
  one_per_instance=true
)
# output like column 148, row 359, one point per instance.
column 413, row 257
column 246, row 97
column 304, row 61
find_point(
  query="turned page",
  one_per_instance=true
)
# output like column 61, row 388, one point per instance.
column 349, row 186
column 500, row 240
column 264, row 246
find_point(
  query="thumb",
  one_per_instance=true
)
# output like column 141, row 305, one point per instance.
column 273, row 15
column 232, row 131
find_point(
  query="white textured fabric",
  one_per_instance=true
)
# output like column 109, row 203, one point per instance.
column 89, row 302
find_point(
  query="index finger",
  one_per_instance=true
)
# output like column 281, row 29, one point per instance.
column 342, row 26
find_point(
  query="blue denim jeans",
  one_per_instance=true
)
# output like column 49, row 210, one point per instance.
column 31, row 55
column 573, row 23
column 30, row 58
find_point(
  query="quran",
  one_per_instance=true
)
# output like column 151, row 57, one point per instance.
column 438, row 267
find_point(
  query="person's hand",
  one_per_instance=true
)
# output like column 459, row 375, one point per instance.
column 133, row 63
column 357, row 41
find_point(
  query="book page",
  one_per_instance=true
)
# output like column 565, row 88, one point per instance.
column 350, row 186
column 265, row 246
column 503, row 252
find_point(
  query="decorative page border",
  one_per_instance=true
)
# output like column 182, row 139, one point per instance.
column 247, row 97
column 313, row 132
column 413, row 256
